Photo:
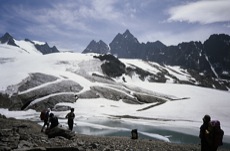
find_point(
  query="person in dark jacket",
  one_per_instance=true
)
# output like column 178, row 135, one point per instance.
column 53, row 120
column 46, row 119
column 217, row 137
column 71, row 117
column 205, row 146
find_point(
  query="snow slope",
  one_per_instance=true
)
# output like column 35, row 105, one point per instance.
column 101, row 116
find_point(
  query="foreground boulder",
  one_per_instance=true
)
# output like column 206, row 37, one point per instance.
column 60, row 131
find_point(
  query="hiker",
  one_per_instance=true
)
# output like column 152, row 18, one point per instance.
column 205, row 146
column 70, row 117
column 76, row 97
column 53, row 120
column 45, row 117
column 216, row 134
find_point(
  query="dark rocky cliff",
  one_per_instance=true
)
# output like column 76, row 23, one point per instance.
column 211, row 58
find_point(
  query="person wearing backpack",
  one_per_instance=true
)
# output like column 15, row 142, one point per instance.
column 205, row 145
column 70, row 117
column 44, row 116
column 216, row 134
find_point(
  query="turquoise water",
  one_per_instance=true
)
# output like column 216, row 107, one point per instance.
column 119, row 128
column 174, row 137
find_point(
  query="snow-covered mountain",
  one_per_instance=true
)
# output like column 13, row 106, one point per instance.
column 27, row 45
column 211, row 58
column 114, row 95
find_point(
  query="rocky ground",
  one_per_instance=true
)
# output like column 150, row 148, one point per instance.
column 20, row 135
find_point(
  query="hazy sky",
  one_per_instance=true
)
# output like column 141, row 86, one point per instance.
column 72, row 24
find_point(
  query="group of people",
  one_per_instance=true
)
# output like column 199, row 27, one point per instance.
column 211, row 134
column 51, row 121
column 211, row 138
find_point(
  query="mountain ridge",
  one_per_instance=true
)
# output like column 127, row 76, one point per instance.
column 43, row 48
column 202, row 57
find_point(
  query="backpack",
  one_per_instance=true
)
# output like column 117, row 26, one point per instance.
column 134, row 134
column 43, row 115
column 214, row 133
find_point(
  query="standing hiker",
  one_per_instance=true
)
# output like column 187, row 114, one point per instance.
column 203, row 129
column 44, row 116
column 70, row 117
column 205, row 146
column 215, row 135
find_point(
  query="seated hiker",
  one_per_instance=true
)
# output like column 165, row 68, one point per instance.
column 70, row 117
column 53, row 120
column 44, row 116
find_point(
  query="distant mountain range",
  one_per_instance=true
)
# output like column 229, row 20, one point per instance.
column 43, row 48
column 207, row 63
column 211, row 58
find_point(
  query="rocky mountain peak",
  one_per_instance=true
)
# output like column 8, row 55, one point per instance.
column 127, row 34
column 45, row 49
column 8, row 39
column 219, row 36
column 217, row 49
column 126, row 37
column 124, row 45
column 97, row 47
column 156, row 44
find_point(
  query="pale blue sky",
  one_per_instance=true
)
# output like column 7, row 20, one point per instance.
column 72, row 24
